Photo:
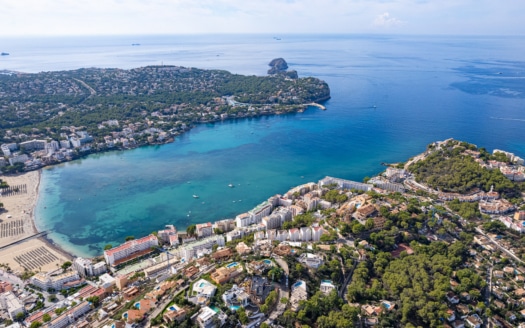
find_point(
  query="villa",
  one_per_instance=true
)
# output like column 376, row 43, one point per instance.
column 203, row 291
column 174, row 313
column 327, row 286
column 236, row 297
column 311, row 260
column 206, row 317
column 259, row 267
column 225, row 274
column 298, row 294
column 260, row 287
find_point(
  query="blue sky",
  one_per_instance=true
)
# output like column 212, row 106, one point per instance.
column 279, row 17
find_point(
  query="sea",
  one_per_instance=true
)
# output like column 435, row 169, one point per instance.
column 392, row 95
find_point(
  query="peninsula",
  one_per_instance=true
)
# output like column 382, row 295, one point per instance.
column 51, row 117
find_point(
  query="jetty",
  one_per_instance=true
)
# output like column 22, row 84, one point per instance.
column 317, row 105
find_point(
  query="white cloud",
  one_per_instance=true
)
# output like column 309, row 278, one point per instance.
column 385, row 20
column 51, row 17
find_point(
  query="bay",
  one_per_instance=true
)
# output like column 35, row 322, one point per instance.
column 391, row 96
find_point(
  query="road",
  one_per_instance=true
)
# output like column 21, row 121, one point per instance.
column 509, row 253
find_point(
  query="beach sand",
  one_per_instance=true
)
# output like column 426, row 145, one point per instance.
column 17, row 223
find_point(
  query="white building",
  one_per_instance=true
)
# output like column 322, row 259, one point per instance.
column 69, row 317
column 11, row 304
column 164, row 235
column 86, row 268
column 75, row 142
column 129, row 248
column 327, row 286
column 204, row 229
column 317, row 232
column 206, row 316
column 345, row 184
column 33, row 145
column 190, row 250
column 106, row 281
column 234, row 234
column 65, row 144
column 243, row 220
column 45, row 282
column 203, row 289
column 260, row 211
column 20, row 158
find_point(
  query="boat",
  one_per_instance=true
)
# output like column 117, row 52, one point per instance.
column 195, row 196
column 231, row 185
column 135, row 44
column 5, row 54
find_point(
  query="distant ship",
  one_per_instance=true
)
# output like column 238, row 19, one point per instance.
column 135, row 44
column 5, row 54
column 195, row 196
column 231, row 185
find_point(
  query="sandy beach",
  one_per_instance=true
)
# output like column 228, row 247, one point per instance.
column 17, row 223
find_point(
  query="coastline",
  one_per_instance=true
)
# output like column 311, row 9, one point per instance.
column 20, row 234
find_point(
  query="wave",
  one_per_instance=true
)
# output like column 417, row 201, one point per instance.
column 508, row 119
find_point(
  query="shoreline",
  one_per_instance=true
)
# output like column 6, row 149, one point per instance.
column 20, row 235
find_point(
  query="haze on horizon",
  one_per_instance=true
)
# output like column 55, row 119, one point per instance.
column 278, row 17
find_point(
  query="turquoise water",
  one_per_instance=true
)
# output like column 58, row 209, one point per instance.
column 391, row 96
column 234, row 307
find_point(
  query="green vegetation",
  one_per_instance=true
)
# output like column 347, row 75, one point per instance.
column 450, row 170
column 47, row 101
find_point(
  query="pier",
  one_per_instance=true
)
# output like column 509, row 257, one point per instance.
column 317, row 105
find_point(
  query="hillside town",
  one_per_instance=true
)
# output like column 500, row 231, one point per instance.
column 391, row 251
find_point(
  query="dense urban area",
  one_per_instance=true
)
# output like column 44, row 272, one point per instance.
column 433, row 242
column 50, row 117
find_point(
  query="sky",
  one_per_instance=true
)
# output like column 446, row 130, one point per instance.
column 278, row 17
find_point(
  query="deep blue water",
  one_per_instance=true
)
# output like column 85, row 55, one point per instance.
column 424, row 89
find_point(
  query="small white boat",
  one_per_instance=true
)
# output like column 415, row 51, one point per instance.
column 195, row 196
column 231, row 185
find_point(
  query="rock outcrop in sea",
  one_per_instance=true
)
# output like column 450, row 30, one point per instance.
column 279, row 66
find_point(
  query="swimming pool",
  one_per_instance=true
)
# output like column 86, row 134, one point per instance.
column 137, row 305
column 266, row 261
column 173, row 308
column 214, row 308
column 125, row 315
column 386, row 305
column 327, row 281
column 231, row 265
column 297, row 284
column 234, row 307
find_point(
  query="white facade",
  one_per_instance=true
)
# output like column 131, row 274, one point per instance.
column 65, row 144
column 11, row 304
column 190, row 250
column 129, row 248
column 205, row 318
column 204, row 229
column 46, row 282
column 86, row 268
